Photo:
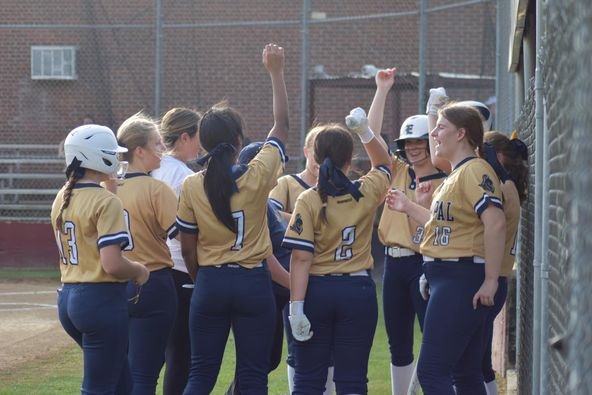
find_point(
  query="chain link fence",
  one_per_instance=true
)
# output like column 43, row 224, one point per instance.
column 104, row 61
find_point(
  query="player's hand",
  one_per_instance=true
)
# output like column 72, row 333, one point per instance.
column 424, row 287
column 142, row 275
column 423, row 193
column 437, row 99
column 357, row 121
column 273, row 58
column 298, row 322
column 486, row 293
column 397, row 200
column 385, row 78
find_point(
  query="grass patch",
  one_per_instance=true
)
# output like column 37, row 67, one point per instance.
column 29, row 273
column 61, row 373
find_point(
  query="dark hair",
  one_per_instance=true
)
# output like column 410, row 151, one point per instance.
column 75, row 175
column 221, row 125
column 333, row 142
column 176, row 122
column 468, row 118
column 511, row 161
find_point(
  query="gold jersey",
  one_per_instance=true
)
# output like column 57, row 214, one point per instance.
column 343, row 244
column 512, row 213
column 216, row 244
column 287, row 190
column 455, row 229
column 149, row 207
column 396, row 228
column 92, row 220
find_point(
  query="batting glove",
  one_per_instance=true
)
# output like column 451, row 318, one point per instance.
column 437, row 99
column 424, row 287
column 298, row 322
column 357, row 122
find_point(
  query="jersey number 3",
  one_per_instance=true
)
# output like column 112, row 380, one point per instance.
column 72, row 248
column 345, row 252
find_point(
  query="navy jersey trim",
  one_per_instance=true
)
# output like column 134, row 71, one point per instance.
column 172, row 231
column 133, row 175
column 86, row 185
column 462, row 162
column 279, row 145
column 297, row 244
column 186, row 227
column 385, row 170
column 276, row 204
column 485, row 201
column 121, row 238
column 300, row 181
column 435, row 176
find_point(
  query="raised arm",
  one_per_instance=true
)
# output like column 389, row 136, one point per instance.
column 375, row 147
column 384, row 81
column 273, row 59
column 437, row 99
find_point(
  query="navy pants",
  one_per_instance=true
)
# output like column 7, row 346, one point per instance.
column 343, row 312
column 451, row 350
column 228, row 297
column 402, row 301
column 178, row 350
column 95, row 315
column 150, row 323
column 499, row 300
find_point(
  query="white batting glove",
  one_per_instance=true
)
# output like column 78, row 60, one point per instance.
column 298, row 322
column 437, row 99
column 357, row 122
column 424, row 287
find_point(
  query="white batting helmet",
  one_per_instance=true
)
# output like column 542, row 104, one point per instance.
column 414, row 127
column 483, row 110
column 95, row 147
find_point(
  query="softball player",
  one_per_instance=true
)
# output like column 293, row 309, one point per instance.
column 90, row 233
column 290, row 186
column 401, row 235
column 277, row 228
column 330, row 234
column 463, row 249
column 283, row 197
column 178, row 129
column 512, row 154
column 150, row 209
column 222, row 216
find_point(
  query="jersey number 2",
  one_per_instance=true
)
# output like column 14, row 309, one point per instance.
column 69, row 228
column 345, row 252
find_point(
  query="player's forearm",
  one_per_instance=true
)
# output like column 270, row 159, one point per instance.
column 189, row 253
column 299, row 271
column 377, row 152
column 495, row 240
column 376, row 114
column 281, row 123
column 278, row 273
column 419, row 213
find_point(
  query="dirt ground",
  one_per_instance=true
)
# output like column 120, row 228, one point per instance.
column 29, row 325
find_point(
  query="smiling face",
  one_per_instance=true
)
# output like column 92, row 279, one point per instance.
column 446, row 137
column 416, row 150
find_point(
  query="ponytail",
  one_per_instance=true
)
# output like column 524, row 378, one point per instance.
column 73, row 178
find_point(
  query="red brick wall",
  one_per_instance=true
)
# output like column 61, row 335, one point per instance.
column 204, row 65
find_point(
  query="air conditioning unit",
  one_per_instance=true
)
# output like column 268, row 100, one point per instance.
column 51, row 62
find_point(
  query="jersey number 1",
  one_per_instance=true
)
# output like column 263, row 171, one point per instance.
column 239, row 226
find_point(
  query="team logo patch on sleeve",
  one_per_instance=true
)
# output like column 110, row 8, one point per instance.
column 487, row 184
column 297, row 224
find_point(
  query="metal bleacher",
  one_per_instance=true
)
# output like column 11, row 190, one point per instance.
column 30, row 177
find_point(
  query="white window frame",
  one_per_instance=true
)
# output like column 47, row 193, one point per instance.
column 49, row 62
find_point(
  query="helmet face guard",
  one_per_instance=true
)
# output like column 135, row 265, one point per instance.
column 413, row 128
column 94, row 147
